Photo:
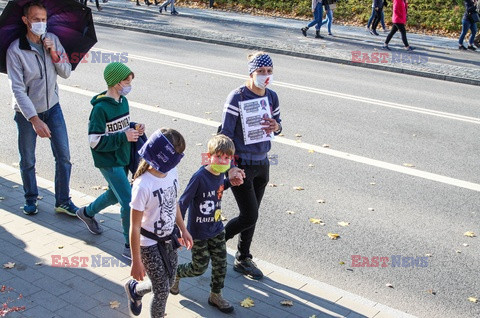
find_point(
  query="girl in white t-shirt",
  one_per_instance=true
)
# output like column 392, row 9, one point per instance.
column 154, row 212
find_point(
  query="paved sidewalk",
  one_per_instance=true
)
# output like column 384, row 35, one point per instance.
column 34, row 243
column 435, row 57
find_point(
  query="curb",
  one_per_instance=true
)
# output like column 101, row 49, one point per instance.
column 447, row 78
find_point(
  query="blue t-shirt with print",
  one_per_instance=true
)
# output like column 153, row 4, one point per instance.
column 203, row 198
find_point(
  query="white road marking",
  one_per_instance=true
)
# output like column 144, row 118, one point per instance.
column 307, row 89
column 306, row 146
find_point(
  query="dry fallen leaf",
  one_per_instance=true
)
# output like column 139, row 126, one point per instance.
column 298, row 135
column 458, row 251
column 291, row 212
column 96, row 187
column 208, row 113
column 174, row 119
column 409, row 165
column 326, row 146
column 344, row 223
column 101, row 221
column 469, row 234
column 222, row 218
column 320, row 201
column 465, row 244
column 311, row 151
column 342, row 263
column 333, row 236
column 39, row 197
column 428, row 255
column 389, row 285
column 310, row 165
column 105, row 188
column 60, row 247
column 15, row 186
column 273, row 185
column 472, row 299
column 247, row 303
column 288, row 303
column 9, row 265
column 298, row 188
column 39, row 263
column 114, row 304
column 198, row 144
column 372, row 183
column 431, row 291
column 371, row 209
column 316, row 221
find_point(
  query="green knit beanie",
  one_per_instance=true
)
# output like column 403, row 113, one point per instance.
column 115, row 72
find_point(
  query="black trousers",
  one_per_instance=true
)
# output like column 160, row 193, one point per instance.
column 395, row 28
column 248, row 196
column 377, row 18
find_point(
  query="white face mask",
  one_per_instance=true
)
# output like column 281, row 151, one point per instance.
column 38, row 28
column 262, row 81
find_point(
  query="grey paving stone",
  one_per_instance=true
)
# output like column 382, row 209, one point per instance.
column 21, row 286
column 74, row 311
column 84, row 286
column 76, row 298
column 37, row 311
column 53, row 286
column 48, row 300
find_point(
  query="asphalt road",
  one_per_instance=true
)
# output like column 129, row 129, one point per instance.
column 375, row 124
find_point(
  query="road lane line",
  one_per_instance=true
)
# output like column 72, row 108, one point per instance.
column 302, row 145
column 307, row 89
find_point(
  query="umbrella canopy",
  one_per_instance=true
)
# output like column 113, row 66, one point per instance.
column 69, row 20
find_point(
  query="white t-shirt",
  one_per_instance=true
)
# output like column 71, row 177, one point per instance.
column 157, row 198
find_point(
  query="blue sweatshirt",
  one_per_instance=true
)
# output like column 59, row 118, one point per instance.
column 232, row 123
column 203, row 198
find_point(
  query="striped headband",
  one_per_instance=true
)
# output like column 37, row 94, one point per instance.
column 259, row 61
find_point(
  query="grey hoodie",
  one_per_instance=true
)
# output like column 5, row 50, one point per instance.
column 32, row 80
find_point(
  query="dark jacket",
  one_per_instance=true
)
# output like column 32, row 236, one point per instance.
column 469, row 9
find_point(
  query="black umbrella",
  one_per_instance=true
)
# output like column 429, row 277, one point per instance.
column 69, row 20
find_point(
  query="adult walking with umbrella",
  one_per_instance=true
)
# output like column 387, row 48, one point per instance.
column 33, row 61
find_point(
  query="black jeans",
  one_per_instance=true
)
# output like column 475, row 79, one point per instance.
column 248, row 196
column 376, row 20
column 395, row 28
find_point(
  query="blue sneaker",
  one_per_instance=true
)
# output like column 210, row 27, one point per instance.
column 135, row 301
column 67, row 208
column 30, row 207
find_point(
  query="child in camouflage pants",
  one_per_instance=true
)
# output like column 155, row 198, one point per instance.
column 203, row 197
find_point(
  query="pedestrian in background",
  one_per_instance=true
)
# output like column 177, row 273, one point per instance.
column 164, row 5
column 32, row 68
column 110, row 137
column 469, row 23
column 378, row 15
column 317, row 9
column 332, row 4
column 399, row 19
column 252, row 158
column 154, row 236
column 373, row 14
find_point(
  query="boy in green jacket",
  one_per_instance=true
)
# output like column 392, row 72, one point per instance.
column 110, row 135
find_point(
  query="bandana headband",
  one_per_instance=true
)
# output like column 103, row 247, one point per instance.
column 160, row 153
column 259, row 61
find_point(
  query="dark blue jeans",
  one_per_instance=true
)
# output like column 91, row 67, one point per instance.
column 318, row 16
column 467, row 25
column 27, row 140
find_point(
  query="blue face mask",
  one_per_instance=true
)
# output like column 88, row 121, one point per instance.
column 125, row 90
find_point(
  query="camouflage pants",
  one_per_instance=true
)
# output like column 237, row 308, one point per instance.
column 202, row 251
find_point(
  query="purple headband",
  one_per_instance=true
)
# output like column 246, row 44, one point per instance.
column 160, row 153
column 259, row 61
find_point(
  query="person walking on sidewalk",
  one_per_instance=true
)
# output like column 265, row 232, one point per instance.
column 329, row 15
column 317, row 9
column 252, row 158
column 110, row 138
column 468, row 23
column 154, row 238
column 399, row 19
column 164, row 5
column 32, row 68
column 378, row 15
column 373, row 14
column 202, row 198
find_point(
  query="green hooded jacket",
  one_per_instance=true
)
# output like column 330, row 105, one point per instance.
column 108, row 122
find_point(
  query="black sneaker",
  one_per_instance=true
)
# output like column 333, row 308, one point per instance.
column 135, row 301
column 30, row 207
column 385, row 47
column 462, row 48
column 89, row 221
column 304, row 31
column 174, row 12
column 248, row 268
column 471, row 47
column 67, row 208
